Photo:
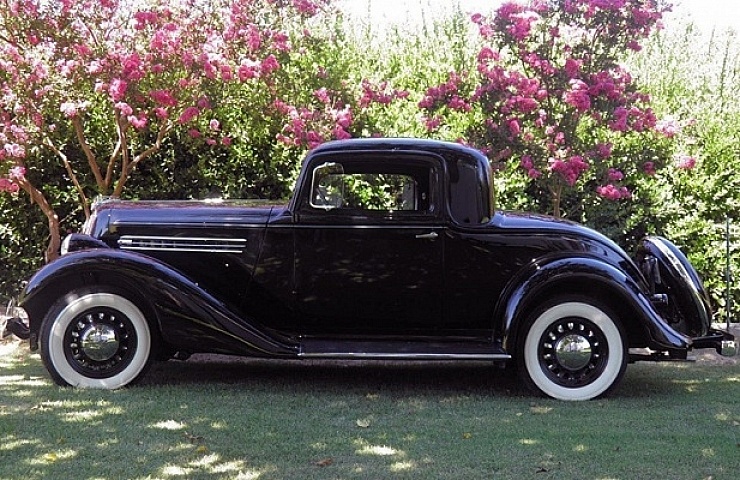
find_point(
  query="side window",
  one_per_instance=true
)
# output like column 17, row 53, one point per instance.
column 468, row 201
column 371, row 187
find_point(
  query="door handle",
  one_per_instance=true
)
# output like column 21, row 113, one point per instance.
column 428, row 236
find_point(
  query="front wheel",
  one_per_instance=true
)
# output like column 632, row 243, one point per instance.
column 572, row 349
column 95, row 339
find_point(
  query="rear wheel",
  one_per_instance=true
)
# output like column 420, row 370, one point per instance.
column 572, row 349
column 95, row 339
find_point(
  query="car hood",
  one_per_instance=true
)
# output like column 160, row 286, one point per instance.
column 110, row 215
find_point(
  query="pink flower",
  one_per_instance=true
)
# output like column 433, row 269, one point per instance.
column 9, row 186
column 572, row 67
column 604, row 150
column 340, row 133
column 226, row 141
column 614, row 193
column 686, row 162
column 649, row 168
column 514, row 127
column 247, row 71
column 343, row 118
column 615, row 175
column 139, row 122
column 194, row 133
column 69, row 109
column 269, row 65
column 124, row 108
column 668, row 127
column 161, row 113
column 163, row 98
column 14, row 150
column 457, row 103
column 578, row 96
column 619, row 124
column 214, row 124
column 17, row 173
column 306, row 7
column 117, row 89
column 203, row 103
column 188, row 115
column 432, row 123
column 526, row 162
column 322, row 95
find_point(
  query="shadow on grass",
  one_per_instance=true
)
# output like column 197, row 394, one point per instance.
column 642, row 380
column 439, row 377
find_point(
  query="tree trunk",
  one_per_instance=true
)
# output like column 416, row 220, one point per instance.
column 55, row 240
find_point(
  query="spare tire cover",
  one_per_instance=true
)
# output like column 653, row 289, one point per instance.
column 688, row 300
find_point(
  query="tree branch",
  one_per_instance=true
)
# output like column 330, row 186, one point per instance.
column 116, row 151
column 80, row 191
column 130, row 166
column 91, row 160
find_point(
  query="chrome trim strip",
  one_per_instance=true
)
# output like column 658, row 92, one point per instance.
column 198, row 225
column 390, row 226
column 182, row 244
column 409, row 356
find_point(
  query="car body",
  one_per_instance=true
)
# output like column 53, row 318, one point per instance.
column 389, row 249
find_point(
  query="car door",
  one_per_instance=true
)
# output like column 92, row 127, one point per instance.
column 369, row 243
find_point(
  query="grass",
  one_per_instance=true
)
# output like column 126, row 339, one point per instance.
column 253, row 419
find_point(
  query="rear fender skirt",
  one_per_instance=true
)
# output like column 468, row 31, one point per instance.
column 189, row 318
column 526, row 290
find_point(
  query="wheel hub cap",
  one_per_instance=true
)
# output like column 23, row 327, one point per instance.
column 99, row 342
column 573, row 352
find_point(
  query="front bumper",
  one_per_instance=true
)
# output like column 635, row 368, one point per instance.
column 723, row 342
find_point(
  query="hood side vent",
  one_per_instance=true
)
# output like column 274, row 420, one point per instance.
column 182, row 244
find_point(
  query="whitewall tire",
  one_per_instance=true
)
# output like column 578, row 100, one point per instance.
column 95, row 340
column 572, row 349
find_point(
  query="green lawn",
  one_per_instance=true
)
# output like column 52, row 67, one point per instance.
column 260, row 420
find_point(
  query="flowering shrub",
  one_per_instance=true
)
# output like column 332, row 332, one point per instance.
column 549, row 94
column 108, row 81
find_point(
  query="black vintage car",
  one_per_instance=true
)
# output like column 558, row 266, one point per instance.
column 389, row 249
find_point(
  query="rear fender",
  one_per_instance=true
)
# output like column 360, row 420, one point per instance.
column 187, row 317
column 584, row 276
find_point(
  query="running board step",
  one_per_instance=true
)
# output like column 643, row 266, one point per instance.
column 400, row 350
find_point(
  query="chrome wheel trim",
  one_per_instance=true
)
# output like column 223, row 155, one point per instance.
column 573, row 352
column 61, row 352
column 603, row 371
column 100, row 342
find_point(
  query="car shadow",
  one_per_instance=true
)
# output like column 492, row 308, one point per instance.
column 444, row 378
column 360, row 375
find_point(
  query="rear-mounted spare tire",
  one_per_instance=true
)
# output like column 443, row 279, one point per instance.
column 687, row 309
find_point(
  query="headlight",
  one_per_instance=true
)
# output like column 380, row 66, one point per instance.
column 65, row 245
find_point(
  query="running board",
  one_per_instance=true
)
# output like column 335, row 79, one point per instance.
column 399, row 350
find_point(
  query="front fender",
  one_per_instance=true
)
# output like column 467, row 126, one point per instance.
column 582, row 275
column 187, row 316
